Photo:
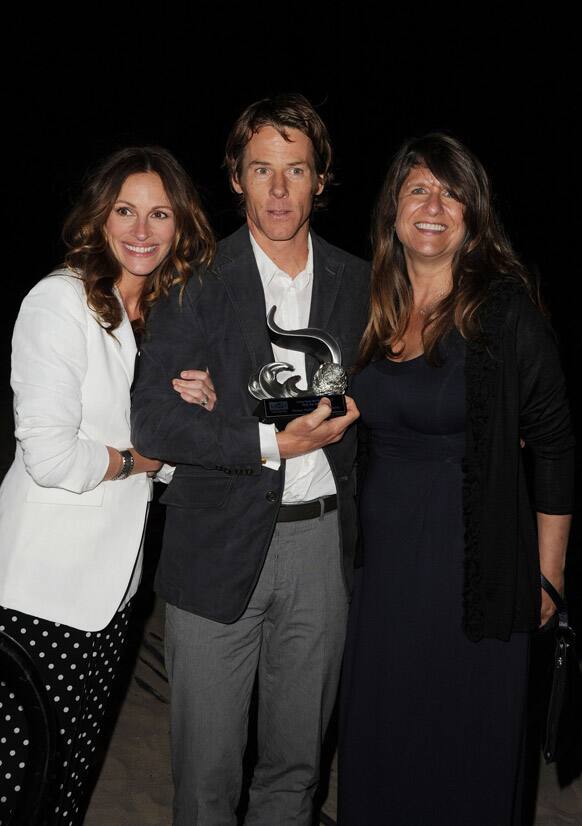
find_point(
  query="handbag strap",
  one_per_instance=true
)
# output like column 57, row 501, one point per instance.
column 558, row 601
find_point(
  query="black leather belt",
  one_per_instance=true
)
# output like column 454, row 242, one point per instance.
column 307, row 510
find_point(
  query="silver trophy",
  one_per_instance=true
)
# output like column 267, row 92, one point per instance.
column 283, row 401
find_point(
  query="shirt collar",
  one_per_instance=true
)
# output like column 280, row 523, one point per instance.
column 268, row 269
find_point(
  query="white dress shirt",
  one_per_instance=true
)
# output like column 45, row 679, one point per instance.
column 309, row 476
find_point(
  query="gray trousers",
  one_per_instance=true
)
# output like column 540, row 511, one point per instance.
column 292, row 635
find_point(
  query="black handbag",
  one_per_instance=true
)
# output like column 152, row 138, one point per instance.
column 564, row 686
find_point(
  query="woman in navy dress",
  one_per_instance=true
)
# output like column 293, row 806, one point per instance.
column 458, row 369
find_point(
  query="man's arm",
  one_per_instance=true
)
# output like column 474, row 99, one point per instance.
column 165, row 426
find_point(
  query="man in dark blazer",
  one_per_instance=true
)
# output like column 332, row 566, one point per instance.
column 261, row 525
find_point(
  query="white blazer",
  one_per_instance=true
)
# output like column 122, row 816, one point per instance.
column 68, row 541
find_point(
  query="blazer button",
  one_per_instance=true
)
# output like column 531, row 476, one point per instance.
column 271, row 496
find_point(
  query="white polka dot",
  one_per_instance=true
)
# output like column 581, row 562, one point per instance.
column 32, row 642
column 25, row 742
column 45, row 633
column 60, row 677
column 2, row 800
column 63, row 656
column 67, row 635
column 17, row 788
column 73, row 666
column 57, row 699
column 51, row 665
column 41, row 654
column 35, row 622
column 7, row 775
column 8, row 717
column 76, row 645
column 53, row 645
column 23, row 630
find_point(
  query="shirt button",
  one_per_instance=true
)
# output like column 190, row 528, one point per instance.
column 271, row 496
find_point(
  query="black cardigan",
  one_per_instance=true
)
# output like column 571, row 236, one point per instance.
column 515, row 389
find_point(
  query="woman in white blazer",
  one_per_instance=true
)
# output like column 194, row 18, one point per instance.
column 74, row 502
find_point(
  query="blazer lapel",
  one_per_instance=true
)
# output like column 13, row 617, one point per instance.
column 124, row 344
column 327, row 276
column 237, row 268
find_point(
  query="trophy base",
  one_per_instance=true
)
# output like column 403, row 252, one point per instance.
column 282, row 411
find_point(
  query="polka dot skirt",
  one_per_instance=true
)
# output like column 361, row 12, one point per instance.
column 78, row 669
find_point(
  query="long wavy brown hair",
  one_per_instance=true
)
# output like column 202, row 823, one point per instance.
column 484, row 254
column 89, row 254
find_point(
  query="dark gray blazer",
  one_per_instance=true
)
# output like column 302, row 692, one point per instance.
column 222, row 503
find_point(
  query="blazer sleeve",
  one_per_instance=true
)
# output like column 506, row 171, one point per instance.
column 49, row 364
column 544, row 413
column 165, row 426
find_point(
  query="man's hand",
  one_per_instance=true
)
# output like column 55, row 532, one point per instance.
column 315, row 430
column 195, row 387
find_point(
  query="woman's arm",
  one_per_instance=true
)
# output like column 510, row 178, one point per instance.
column 49, row 367
column 141, row 464
column 545, row 427
column 553, row 532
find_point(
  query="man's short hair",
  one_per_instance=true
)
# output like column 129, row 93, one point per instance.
column 282, row 112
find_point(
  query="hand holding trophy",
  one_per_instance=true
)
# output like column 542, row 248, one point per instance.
column 283, row 401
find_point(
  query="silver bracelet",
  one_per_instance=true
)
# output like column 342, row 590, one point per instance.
column 127, row 465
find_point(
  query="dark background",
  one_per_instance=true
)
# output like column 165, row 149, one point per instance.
column 499, row 78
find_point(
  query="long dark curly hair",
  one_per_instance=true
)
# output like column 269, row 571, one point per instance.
column 484, row 254
column 89, row 254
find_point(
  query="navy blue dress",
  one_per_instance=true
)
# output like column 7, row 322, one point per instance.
column 431, row 724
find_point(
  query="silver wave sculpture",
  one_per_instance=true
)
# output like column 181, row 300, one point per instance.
column 329, row 379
